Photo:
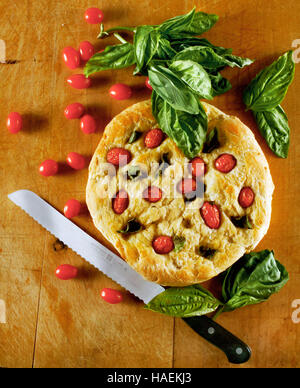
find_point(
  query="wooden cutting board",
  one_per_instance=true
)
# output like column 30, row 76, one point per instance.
column 51, row 323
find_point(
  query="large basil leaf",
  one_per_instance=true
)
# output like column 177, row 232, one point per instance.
column 113, row 57
column 189, row 41
column 174, row 91
column 186, row 130
column 146, row 42
column 195, row 76
column 178, row 23
column 219, row 84
column 184, row 302
column 253, row 279
column 209, row 59
column 273, row 125
column 165, row 50
column 267, row 90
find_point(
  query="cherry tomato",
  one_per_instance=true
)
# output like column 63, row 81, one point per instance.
column 79, row 81
column 118, row 156
column 120, row 202
column 154, row 137
column 187, row 186
column 120, row 92
column 71, row 57
column 74, row 111
column 66, row 272
column 163, row 245
column 111, row 296
column 14, row 122
column 246, row 197
column 152, row 194
column 88, row 124
column 211, row 215
column 72, row 208
column 197, row 167
column 147, row 83
column 48, row 168
column 93, row 16
column 225, row 163
column 86, row 50
column 76, row 161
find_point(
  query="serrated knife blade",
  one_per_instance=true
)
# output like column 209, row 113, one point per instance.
column 85, row 245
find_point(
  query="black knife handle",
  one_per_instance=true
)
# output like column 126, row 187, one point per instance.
column 236, row 350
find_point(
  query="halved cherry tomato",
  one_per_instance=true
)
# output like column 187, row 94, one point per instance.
column 154, row 138
column 152, row 194
column 246, row 197
column 86, row 50
column 79, row 81
column 74, row 111
column 187, row 186
column 76, row 161
column 88, row 124
column 48, row 168
column 93, row 16
column 197, row 167
column 147, row 83
column 14, row 122
column 66, row 272
column 120, row 92
column 120, row 202
column 72, row 208
column 211, row 215
column 118, row 156
column 111, row 296
column 71, row 57
column 163, row 245
column 225, row 163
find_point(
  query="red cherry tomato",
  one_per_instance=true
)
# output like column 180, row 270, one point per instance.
column 225, row 163
column 14, row 122
column 163, row 245
column 71, row 57
column 66, row 272
column 187, row 186
column 86, row 50
column 93, row 16
column 79, row 81
column 121, row 202
column 74, row 111
column 118, row 156
column 246, row 197
column 147, row 83
column 48, row 168
column 72, row 208
column 120, row 92
column 88, row 124
column 111, row 296
column 211, row 215
column 154, row 137
column 197, row 167
column 76, row 161
column 152, row 194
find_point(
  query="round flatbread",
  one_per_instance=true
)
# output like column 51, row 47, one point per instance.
column 204, row 243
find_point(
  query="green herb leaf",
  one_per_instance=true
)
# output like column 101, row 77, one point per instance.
column 164, row 163
column 184, row 302
column 178, row 23
column 274, row 127
column 267, row 90
column 174, row 91
column 134, row 136
column 208, row 253
column 242, row 222
column 133, row 172
column 189, row 41
column 113, row 57
column 164, row 50
column 219, row 84
column 194, row 76
column 253, row 279
column 132, row 226
column 212, row 141
column 146, row 42
column 186, row 130
column 178, row 243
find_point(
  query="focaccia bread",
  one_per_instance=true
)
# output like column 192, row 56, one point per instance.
column 172, row 238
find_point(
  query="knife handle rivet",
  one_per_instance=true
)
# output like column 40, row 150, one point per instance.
column 211, row 330
column 239, row 351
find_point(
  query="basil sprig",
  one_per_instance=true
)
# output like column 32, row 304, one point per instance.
column 263, row 96
column 251, row 280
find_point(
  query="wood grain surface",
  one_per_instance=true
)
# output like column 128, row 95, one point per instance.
column 51, row 323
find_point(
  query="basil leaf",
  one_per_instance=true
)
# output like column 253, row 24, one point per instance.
column 194, row 76
column 186, row 130
column 240, row 62
column 146, row 42
column 178, row 23
column 212, row 141
column 267, row 90
column 184, row 302
column 274, row 127
column 208, row 253
column 178, row 243
column 133, row 172
column 113, row 57
column 165, row 50
column 242, row 222
column 164, row 163
column 253, row 279
column 133, row 226
column 189, row 41
column 219, row 84
column 174, row 91
column 134, row 136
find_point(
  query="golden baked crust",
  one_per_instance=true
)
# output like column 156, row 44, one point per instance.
column 173, row 216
